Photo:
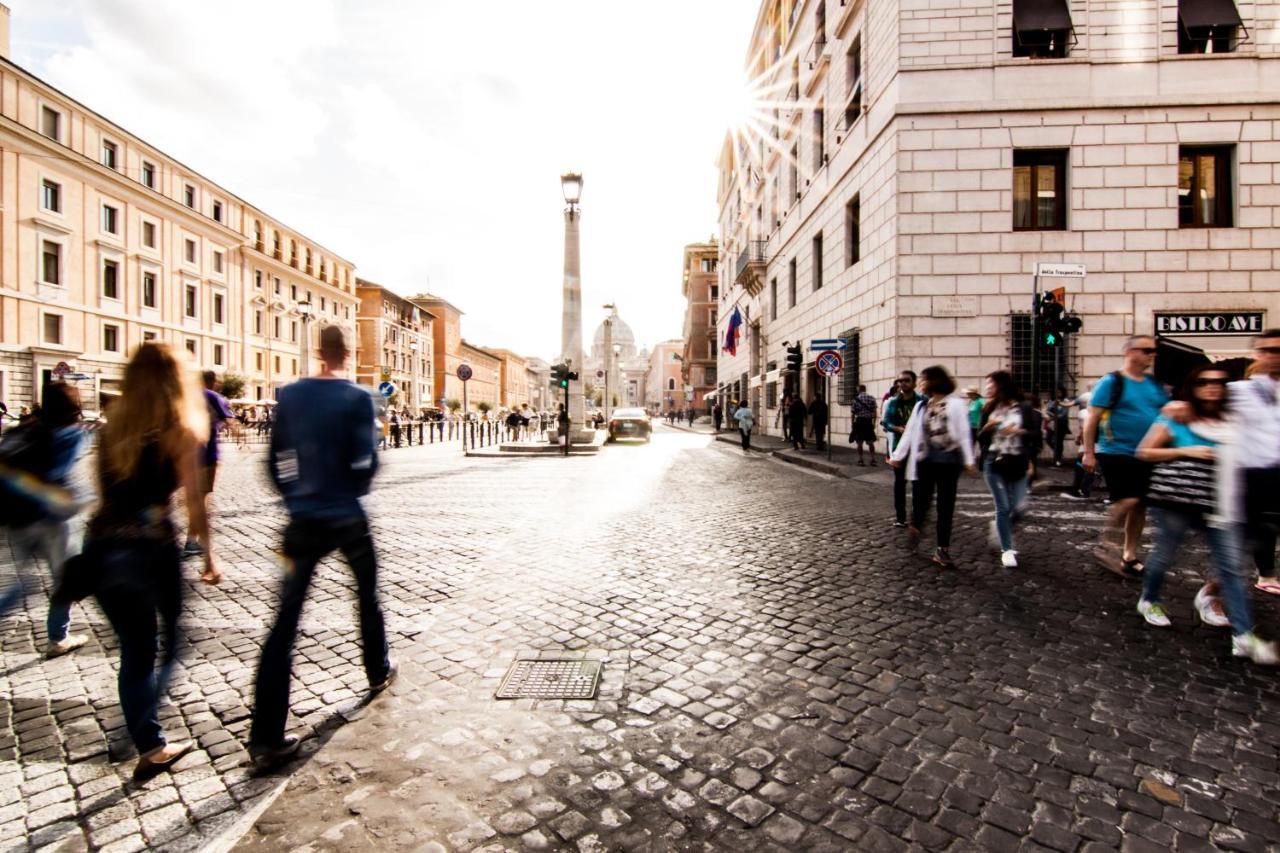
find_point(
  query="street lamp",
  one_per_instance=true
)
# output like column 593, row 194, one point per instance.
column 571, row 186
column 571, row 313
column 617, row 374
column 304, row 311
column 413, row 394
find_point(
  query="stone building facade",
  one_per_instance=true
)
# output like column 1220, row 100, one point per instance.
column 663, row 381
column 700, row 285
column 925, row 155
column 393, row 334
column 485, row 385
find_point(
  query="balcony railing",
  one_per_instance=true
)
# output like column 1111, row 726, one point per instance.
column 753, row 253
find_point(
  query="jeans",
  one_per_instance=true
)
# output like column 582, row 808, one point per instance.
column 306, row 542
column 1225, row 555
column 1261, row 487
column 1009, row 499
column 945, row 478
column 140, row 581
column 746, row 438
column 900, row 493
column 48, row 540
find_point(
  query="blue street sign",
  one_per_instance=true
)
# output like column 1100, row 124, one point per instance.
column 386, row 389
column 825, row 344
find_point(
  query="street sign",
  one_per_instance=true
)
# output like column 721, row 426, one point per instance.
column 599, row 374
column 386, row 389
column 75, row 377
column 825, row 344
column 828, row 363
column 1060, row 270
column 464, row 372
column 386, row 376
column 61, row 369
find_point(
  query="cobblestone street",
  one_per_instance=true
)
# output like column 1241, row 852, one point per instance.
column 779, row 673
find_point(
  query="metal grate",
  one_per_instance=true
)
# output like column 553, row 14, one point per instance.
column 1056, row 365
column 551, row 678
column 850, row 376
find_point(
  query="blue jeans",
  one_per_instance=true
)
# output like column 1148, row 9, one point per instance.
column 140, row 582
column 48, row 540
column 1009, row 499
column 1225, row 554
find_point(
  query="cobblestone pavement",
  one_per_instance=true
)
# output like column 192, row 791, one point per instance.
column 778, row 672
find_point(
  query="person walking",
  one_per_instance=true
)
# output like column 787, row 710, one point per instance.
column 562, row 424
column 1123, row 407
column 220, row 415
column 149, row 448
column 1255, row 406
column 717, row 416
column 1059, row 422
column 36, row 461
column 746, row 421
column 897, row 412
column 797, row 413
column 782, row 418
column 818, row 415
column 1182, row 494
column 1005, row 466
column 864, row 424
column 935, row 447
column 1082, row 481
column 322, row 459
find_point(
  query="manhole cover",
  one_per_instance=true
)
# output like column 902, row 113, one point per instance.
column 551, row 679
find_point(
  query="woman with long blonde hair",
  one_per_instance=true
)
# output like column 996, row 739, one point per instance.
column 149, row 448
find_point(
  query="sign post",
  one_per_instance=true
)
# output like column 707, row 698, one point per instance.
column 828, row 363
column 464, row 373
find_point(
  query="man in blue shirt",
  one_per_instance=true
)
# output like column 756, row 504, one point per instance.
column 1119, row 417
column 322, row 460
column 896, row 414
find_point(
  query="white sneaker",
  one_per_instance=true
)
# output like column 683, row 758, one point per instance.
column 66, row 646
column 1153, row 613
column 1009, row 559
column 1254, row 648
column 1209, row 607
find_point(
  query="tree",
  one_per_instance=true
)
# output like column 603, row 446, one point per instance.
column 232, row 385
column 484, row 407
column 453, row 403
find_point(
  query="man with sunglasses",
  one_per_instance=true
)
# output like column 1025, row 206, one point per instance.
column 1119, row 417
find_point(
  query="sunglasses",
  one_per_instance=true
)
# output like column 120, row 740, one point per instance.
column 1202, row 382
column 1145, row 350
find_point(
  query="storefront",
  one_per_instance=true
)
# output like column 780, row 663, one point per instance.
column 1187, row 339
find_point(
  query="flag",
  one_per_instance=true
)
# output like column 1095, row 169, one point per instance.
column 734, row 331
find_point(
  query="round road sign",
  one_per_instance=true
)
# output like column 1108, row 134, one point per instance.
column 386, row 389
column 829, row 363
column 464, row 372
column 61, row 369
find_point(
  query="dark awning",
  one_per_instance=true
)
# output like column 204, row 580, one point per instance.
column 1208, row 13
column 1032, row 15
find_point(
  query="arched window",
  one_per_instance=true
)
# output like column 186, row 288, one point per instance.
column 671, row 385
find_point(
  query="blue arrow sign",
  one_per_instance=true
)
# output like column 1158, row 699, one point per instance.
column 386, row 389
column 825, row 344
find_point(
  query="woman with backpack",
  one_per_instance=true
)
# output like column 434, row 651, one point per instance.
column 1005, row 464
column 149, row 449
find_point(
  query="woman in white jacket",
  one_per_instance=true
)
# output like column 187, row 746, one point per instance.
column 935, row 446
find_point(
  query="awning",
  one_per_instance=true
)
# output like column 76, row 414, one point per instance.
column 1042, row 15
column 1208, row 13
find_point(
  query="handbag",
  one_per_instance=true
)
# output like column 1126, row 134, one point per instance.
column 1187, row 485
column 1010, row 467
column 80, row 574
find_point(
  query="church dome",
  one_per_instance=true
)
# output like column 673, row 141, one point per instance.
column 622, row 335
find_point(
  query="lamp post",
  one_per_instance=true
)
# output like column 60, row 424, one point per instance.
column 617, row 375
column 571, row 317
column 413, row 393
column 304, row 311
column 605, row 400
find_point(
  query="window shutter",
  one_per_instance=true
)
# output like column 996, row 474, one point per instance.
column 848, row 388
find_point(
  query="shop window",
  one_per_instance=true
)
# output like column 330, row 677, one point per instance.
column 1040, row 189
column 1042, row 29
column 1205, row 187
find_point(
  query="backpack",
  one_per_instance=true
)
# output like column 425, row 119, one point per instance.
column 1117, row 392
column 26, row 457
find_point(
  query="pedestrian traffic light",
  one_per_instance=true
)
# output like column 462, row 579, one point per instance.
column 560, row 375
column 795, row 357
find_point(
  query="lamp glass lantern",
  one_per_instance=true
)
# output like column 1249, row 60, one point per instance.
column 304, row 309
column 571, row 186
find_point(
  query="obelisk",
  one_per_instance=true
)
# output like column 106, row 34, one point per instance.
column 571, row 318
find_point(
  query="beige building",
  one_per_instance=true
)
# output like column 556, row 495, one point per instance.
column 538, row 375
column 108, row 242
column 485, row 385
column 513, row 378
column 700, row 285
column 663, row 382
column 926, row 155
column 394, row 345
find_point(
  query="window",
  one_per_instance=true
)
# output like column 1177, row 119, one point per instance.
column 819, row 24
column 51, row 196
column 148, row 234
column 51, row 125
column 275, row 245
column 293, row 253
column 189, row 195
column 1204, row 187
column 293, row 366
column 793, row 169
column 277, row 363
column 817, row 261
column 293, row 292
column 148, row 175
column 293, row 331
column 110, row 219
column 1040, row 189
column 217, row 262
column 819, row 137
column 791, row 282
column 218, row 301
column 277, row 286
column 110, row 154
column 217, row 211
column 189, row 251
column 773, row 299
column 257, row 234
column 53, row 328
column 110, row 280
column 1041, row 29
column 853, row 231
column 257, row 322
column 189, row 301
column 715, row 292
column 191, row 346
column 149, row 290
column 257, row 279
column 110, row 338
column 853, row 73
column 257, row 361
column 217, row 354
column 275, row 330
column 850, row 375
column 671, row 385
column 148, row 336
column 1208, row 26
column 50, row 262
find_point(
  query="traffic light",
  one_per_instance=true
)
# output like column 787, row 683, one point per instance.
column 1053, row 320
column 560, row 375
column 795, row 357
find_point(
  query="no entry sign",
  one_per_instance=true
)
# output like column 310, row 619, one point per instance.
column 828, row 363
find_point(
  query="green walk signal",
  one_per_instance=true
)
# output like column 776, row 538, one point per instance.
column 1051, row 339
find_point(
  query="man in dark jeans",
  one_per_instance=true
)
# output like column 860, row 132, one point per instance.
column 896, row 414
column 322, row 460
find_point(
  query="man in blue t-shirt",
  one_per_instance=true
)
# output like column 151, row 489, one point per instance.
column 1119, row 417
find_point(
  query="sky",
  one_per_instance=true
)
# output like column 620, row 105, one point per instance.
column 423, row 140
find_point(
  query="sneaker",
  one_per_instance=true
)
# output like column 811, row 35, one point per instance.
column 270, row 757
column 392, row 671
column 1254, row 648
column 192, row 548
column 1009, row 559
column 159, row 760
column 1074, row 496
column 942, row 559
column 1209, row 608
column 899, row 524
column 67, row 645
column 1153, row 613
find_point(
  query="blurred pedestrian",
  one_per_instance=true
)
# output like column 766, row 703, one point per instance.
column 151, row 446
column 935, row 447
column 797, row 414
column 394, row 420
column 782, row 418
column 717, row 416
column 746, row 421
column 1255, row 407
column 322, row 460
column 1059, row 422
column 818, row 417
column 220, row 415
column 1005, row 466
column 897, row 412
column 864, row 424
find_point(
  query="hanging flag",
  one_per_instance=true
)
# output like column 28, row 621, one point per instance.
column 733, row 333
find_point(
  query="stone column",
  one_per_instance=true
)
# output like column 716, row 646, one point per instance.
column 571, row 324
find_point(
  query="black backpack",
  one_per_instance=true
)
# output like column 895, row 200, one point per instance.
column 26, row 452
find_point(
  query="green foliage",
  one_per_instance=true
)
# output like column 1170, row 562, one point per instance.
column 232, row 385
column 453, row 403
column 484, row 406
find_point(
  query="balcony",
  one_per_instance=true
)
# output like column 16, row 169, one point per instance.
column 751, row 266
column 818, row 53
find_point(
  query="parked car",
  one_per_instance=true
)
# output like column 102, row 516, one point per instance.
column 630, row 423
